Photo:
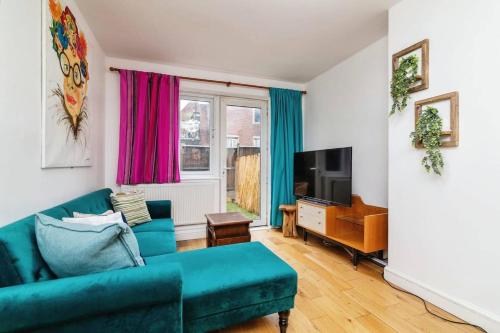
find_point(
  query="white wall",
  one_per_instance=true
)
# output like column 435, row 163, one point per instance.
column 444, row 231
column 347, row 106
column 24, row 186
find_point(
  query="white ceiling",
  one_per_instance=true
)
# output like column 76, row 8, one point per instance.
column 292, row 40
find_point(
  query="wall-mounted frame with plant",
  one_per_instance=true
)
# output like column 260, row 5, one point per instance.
column 429, row 133
column 406, row 78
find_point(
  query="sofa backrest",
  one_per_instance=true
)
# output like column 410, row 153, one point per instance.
column 20, row 259
column 93, row 203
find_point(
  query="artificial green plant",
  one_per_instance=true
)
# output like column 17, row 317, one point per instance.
column 403, row 78
column 428, row 132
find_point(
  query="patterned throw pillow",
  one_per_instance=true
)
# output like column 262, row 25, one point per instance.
column 132, row 205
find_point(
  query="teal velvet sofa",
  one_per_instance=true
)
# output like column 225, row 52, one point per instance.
column 194, row 291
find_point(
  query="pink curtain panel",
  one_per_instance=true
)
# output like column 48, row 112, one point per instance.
column 149, row 128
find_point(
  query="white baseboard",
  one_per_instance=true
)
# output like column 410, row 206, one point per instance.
column 468, row 312
column 187, row 232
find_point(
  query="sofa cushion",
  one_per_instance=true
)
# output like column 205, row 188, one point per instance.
column 223, row 278
column 20, row 248
column 72, row 249
column 96, row 219
column 93, row 203
column 159, row 209
column 155, row 225
column 57, row 212
column 153, row 243
column 81, row 215
column 132, row 205
column 8, row 274
column 18, row 242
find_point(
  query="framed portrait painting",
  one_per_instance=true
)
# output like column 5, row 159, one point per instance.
column 65, row 83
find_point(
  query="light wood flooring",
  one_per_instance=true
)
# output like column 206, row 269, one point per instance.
column 333, row 297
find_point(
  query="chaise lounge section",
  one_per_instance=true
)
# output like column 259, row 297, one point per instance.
column 194, row 291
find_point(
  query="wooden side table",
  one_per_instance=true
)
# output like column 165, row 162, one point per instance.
column 227, row 228
column 289, row 220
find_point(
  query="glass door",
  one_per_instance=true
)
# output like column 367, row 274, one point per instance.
column 244, row 158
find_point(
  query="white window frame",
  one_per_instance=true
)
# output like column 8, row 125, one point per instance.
column 233, row 137
column 213, row 164
column 253, row 117
column 253, row 140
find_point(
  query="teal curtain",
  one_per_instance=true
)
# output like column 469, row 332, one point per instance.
column 286, row 139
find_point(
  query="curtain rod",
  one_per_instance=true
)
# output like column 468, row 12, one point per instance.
column 227, row 83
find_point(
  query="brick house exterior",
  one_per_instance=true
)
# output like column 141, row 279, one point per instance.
column 245, row 124
column 195, row 136
column 242, row 122
column 243, row 130
column 195, row 124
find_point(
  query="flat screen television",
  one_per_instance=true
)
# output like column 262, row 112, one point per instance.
column 324, row 175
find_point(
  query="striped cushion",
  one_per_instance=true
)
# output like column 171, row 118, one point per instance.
column 132, row 205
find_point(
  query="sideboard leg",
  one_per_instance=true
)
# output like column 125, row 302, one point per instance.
column 283, row 320
column 355, row 258
column 380, row 254
column 305, row 236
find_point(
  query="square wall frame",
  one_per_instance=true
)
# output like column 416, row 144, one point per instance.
column 453, row 133
column 423, row 77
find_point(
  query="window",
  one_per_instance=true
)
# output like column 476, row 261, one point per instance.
column 195, row 133
column 232, row 141
column 256, row 141
column 256, row 116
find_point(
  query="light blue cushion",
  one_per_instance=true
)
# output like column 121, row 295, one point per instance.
column 77, row 249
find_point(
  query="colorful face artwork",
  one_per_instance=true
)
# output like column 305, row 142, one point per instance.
column 70, row 47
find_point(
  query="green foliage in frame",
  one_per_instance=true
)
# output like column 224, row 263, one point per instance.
column 428, row 132
column 402, row 80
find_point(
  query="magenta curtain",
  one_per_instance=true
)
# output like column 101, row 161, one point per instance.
column 149, row 128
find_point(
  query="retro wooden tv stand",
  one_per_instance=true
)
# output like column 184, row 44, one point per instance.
column 360, row 228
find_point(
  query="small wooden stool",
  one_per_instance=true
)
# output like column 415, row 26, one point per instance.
column 289, row 220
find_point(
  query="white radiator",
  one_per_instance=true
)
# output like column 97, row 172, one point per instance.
column 191, row 200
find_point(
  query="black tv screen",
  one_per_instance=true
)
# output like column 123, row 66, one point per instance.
column 324, row 175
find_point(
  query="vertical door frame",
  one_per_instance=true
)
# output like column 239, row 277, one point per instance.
column 264, row 151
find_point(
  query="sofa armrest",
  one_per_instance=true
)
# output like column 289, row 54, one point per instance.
column 159, row 209
column 39, row 304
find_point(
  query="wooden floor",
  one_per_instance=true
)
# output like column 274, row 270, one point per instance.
column 333, row 297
